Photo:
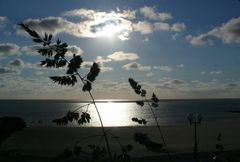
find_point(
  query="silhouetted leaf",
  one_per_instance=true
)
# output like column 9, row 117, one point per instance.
column 94, row 71
column 139, row 121
column 140, row 103
column 143, row 93
column 87, row 86
column 154, row 100
column 77, row 150
column 136, row 87
column 29, row 31
column 64, row 80
column 98, row 152
column 74, row 64
column 37, row 40
column 147, row 142
column 91, row 76
column 85, row 118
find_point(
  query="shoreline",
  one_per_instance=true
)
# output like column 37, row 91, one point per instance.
column 50, row 141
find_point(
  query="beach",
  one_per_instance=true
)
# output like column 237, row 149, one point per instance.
column 45, row 143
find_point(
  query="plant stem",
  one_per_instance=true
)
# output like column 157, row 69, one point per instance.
column 159, row 129
column 100, row 119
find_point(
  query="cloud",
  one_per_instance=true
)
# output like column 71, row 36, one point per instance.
column 149, row 74
column 178, row 27
column 162, row 26
column 53, row 25
column 229, row 32
column 232, row 85
column 88, row 65
column 30, row 50
column 16, row 63
column 8, row 48
column 3, row 21
column 218, row 72
column 122, row 56
column 95, row 24
column 152, row 14
column 102, row 59
column 180, row 66
column 73, row 49
column 92, row 14
column 98, row 24
column 136, row 66
column 143, row 27
column 163, row 68
column 203, row 72
column 106, row 69
column 7, row 70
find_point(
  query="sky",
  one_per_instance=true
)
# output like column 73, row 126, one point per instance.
column 176, row 49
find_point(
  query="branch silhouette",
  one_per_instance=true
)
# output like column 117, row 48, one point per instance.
column 55, row 53
column 154, row 104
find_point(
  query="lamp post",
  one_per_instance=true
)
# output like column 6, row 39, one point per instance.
column 194, row 120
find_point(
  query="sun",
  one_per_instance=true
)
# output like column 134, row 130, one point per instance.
column 109, row 30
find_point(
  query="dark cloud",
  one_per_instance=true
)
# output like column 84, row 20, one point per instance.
column 228, row 33
column 8, row 48
column 5, row 70
column 17, row 62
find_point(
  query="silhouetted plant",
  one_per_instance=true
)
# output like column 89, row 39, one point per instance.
column 147, row 142
column 9, row 125
column 219, row 147
column 68, row 153
column 55, row 53
column 139, row 121
column 153, row 103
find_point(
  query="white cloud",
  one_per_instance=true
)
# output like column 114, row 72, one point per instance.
column 203, row 72
column 53, row 25
column 106, row 69
column 149, row 74
column 3, row 21
column 152, row 14
column 229, row 32
column 102, row 59
column 162, row 26
column 9, row 48
column 163, row 68
column 216, row 72
column 143, row 27
column 30, row 50
column 92, row 14
column 136, row 66
column 98, row 24
column 180, row 66
column 88, row 65
column 73, row 49
column 122, row 56
column 178, row 27
column 94, row 23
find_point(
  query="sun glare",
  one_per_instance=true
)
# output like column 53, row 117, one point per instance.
column 110, row 30
column 114, row 113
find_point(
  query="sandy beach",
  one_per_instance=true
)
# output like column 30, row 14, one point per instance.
column 44, row 143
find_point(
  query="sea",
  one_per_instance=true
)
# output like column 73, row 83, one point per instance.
column 120, row 113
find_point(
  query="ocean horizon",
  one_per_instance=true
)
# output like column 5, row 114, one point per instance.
column 120, row 112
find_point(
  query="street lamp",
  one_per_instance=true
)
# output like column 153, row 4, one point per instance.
column 194, row 120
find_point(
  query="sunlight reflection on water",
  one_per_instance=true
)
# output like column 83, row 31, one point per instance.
column 113, row 114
